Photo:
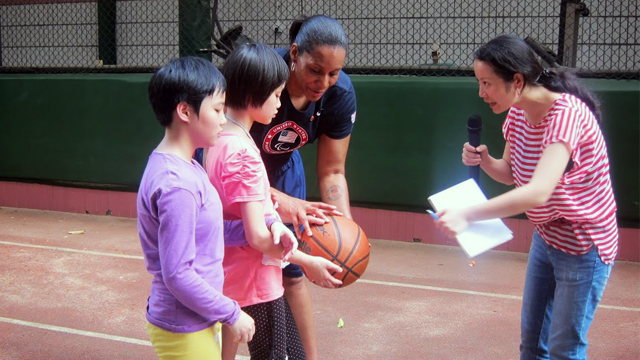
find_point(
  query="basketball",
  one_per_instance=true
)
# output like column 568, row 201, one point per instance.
column 342, row 242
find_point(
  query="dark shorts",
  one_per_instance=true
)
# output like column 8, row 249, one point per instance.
column 292, row 271
column 290, row 179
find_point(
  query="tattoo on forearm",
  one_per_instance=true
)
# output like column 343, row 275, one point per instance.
column 334, row 192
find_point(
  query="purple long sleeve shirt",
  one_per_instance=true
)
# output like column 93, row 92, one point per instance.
column 181, row 232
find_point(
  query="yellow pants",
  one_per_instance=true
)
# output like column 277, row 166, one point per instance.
column 200, row 345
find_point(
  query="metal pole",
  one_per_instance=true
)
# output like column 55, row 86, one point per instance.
column 0, row 35
column 194, row 27
column 570, row 12
column 107, row 51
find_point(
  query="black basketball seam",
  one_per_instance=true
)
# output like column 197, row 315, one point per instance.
column 356, row 264
column 337, row 229
column 334, row 257
column 359, row 261
column 322, row 247
column 353, row 248
column 349, row 270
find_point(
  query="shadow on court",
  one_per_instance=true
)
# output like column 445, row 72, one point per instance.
column 83, row 296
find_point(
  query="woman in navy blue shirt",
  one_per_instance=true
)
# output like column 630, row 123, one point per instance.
column 318, row 103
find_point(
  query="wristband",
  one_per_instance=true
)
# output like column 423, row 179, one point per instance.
column 270, row 220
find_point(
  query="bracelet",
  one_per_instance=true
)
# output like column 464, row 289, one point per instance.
column 270, row 220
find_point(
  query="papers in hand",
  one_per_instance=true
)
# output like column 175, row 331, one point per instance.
column 480, row 236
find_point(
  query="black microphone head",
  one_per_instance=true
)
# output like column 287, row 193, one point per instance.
column 474, row 123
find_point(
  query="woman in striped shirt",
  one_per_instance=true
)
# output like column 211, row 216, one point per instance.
column 556, row 156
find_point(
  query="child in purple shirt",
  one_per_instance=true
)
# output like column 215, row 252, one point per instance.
column 180, row 218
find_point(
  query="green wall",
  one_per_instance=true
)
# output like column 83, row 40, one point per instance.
column 76, row 128
column 98, row 129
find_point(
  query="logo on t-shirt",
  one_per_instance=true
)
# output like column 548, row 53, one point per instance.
column 285, row 137
column 313, row 117
column 288, row 136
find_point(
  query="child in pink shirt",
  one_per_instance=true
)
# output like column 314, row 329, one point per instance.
column 256, row 76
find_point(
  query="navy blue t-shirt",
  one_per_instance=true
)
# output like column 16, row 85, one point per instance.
column 332, row 115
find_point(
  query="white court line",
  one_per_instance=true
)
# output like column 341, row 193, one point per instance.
column 88, row 252
column 471, row 292
column 75, row 331
column 435, row 288
column 375, row 282
column 67, row 330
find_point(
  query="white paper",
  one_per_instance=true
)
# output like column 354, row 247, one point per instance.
column 480, row 236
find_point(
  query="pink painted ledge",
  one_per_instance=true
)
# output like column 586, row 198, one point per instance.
column 376, row 223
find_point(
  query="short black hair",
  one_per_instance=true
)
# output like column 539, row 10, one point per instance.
column 253, row 72
column 317, row 30
column 189, row 79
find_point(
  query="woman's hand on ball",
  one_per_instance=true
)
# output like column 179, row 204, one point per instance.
column 301, row 212
column 319, row 272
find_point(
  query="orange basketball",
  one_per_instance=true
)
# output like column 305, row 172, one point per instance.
column 342, row 242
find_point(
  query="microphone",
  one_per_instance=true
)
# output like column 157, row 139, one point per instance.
column 474, row 127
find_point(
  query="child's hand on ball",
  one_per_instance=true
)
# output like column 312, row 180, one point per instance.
column 282, row 235
column 319, row 272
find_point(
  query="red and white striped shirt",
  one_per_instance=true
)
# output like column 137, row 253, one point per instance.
column 581, row 211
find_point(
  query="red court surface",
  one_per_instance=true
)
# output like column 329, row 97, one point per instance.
column 83, row 296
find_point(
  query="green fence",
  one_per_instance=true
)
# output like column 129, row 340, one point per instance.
column 96, row 130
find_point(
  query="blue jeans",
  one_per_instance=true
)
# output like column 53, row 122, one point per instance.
column 561, row 293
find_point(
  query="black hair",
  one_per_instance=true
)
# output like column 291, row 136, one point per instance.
column 253, row 73
column 317, row 30
column 189, row 79
column 509, row 54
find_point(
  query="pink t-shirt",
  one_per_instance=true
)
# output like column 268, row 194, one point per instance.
column 236, row 170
